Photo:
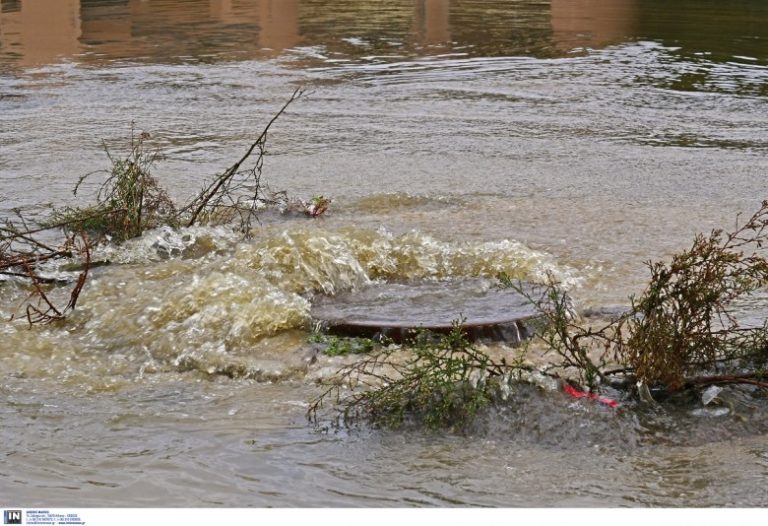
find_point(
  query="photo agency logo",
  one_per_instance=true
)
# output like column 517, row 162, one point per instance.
column 12, row 517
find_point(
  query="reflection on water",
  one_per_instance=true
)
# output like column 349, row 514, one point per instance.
column 432, row 22
column 39, row 32
column 160, row 30
column 592, row 23
column 36, row 32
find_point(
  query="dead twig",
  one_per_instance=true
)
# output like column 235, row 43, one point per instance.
column 219, row 188
column 39, row 307
column 748, row 378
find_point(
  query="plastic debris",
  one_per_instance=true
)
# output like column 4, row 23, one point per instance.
column 592, row 396
column 710, row 394
column 645, row 393
column 317, row 206
column 707, row 412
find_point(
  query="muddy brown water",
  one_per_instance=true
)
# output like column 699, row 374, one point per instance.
column 457, row 139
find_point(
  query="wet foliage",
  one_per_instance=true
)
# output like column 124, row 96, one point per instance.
column 340, row 346
column 433, row 381
column 684, row 324
column 129, row 201
column 682, row 330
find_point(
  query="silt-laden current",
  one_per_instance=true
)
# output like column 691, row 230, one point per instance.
column 457, row 139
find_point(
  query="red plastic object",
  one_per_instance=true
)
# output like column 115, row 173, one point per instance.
column 592, row 396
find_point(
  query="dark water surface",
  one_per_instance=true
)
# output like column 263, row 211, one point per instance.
column 457, row 139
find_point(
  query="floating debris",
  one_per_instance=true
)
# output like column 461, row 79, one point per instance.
column 710, row 394
column 569, row 389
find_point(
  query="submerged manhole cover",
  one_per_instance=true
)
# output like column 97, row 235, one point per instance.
column 396, row 310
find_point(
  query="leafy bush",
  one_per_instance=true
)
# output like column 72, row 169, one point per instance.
column 684, row 323
column 683, row 327
column 437, row 382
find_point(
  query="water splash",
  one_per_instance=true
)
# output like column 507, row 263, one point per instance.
column 165, row 243
column 194, row 299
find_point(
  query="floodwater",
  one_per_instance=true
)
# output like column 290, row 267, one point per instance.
column 457, row 139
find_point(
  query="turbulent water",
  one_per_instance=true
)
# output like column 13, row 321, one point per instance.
column 457, row 139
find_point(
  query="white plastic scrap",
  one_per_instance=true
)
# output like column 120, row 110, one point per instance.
column 645, row 393
column 710, row 394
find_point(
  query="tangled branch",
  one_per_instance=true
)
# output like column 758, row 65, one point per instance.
column 225, row 191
